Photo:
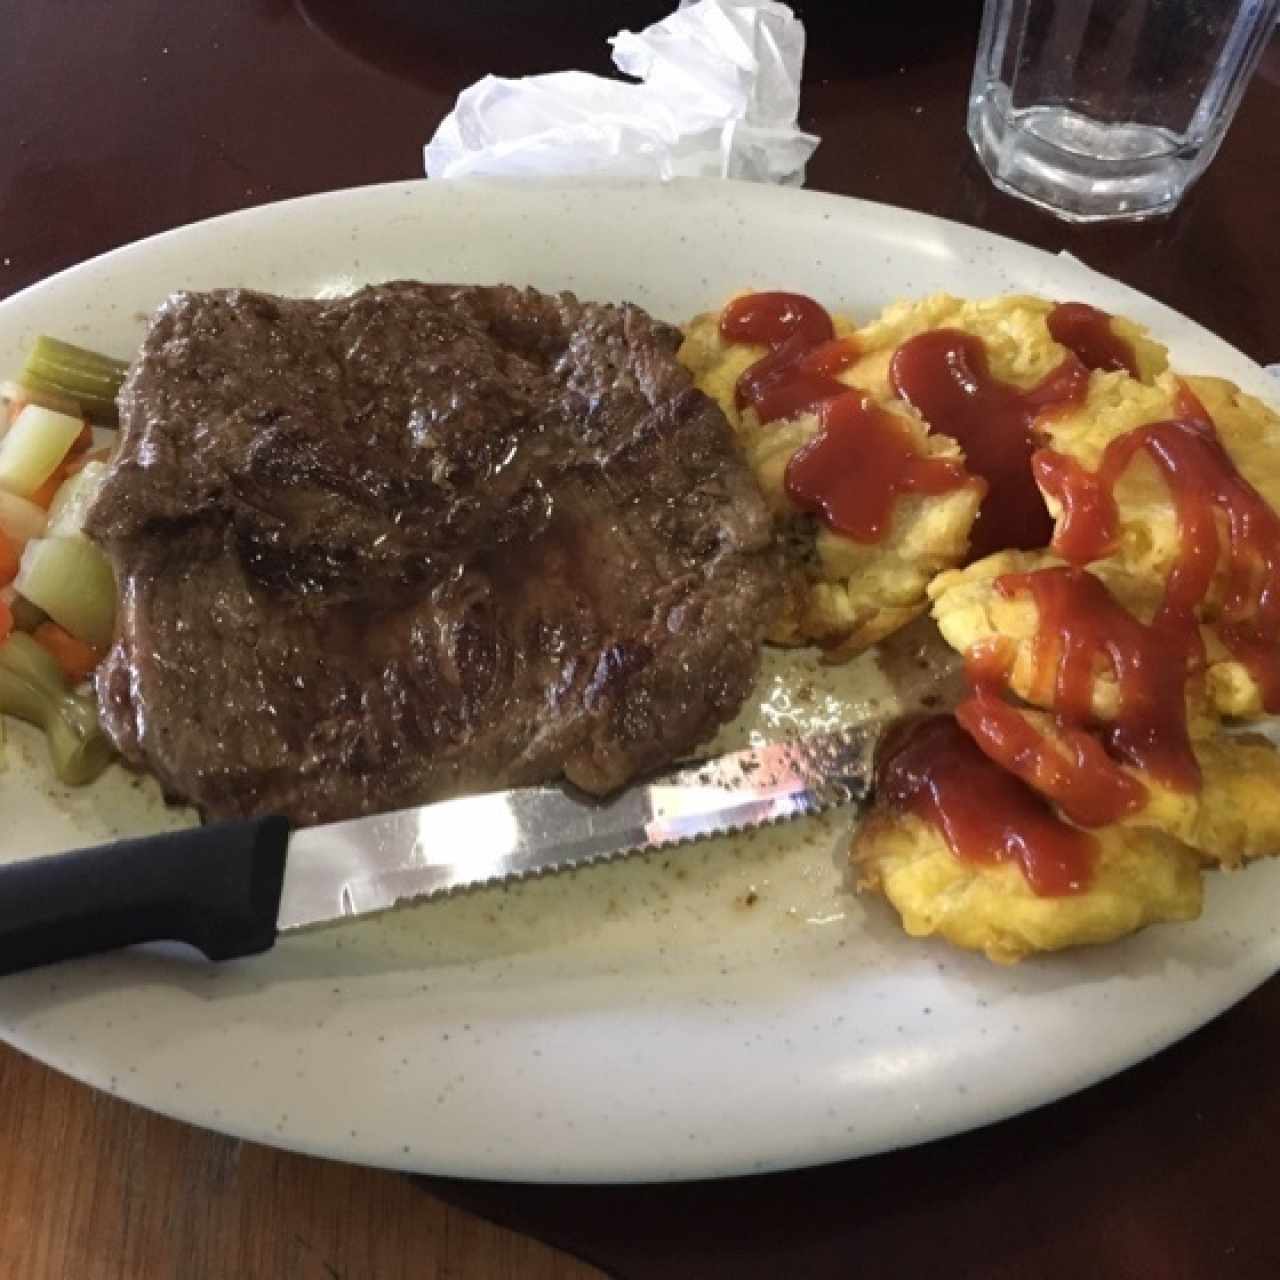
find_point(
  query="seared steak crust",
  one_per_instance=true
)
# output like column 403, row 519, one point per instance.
column 421, row 541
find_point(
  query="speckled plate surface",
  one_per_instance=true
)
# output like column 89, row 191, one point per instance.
column 725, row 1009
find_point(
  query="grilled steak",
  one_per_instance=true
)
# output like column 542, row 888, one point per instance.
column 421, row 541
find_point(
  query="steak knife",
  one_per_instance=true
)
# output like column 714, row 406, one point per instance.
column 231, row 888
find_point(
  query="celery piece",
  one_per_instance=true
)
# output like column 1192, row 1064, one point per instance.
column 79, row 749
column 71, row 503
column 32, row 661
column 71, row 580
column 33, row 688
column 20, row 520
column 37, row 441
column 26, row 617
column 91, row 379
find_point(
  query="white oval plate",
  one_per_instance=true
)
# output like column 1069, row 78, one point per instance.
column 638, row 1021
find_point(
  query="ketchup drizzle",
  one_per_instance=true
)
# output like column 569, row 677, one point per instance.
column 1087, row 332
column 863, row 457
column 1207, row 488
column 933, row 769
column 853, row 471
column 1083, row 627
column 944, row 374
column 1072, row 769
column 804, row 353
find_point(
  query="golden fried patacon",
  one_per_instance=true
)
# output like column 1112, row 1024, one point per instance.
column 1239, row 816
column 970, row 611
column 716, row 364
column 851, row 593
column 1143, row 869
column 1140, row 877
column 1147, row 542
column 1232, row 817
column 1013, row 327
column 846, row 593
column 1230, row 687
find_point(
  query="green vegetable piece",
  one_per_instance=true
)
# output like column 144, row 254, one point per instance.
column 71, row 503
column 37, row 441
column 32, row 687
column 71, row 580
column 62, row 369
column 20, row 520
column 32, row 661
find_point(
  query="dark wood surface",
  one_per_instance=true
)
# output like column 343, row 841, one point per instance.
column 94, row 1188
column 123, row 119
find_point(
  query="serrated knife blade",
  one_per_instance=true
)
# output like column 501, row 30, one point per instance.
column 371, row 864
column 230, row 888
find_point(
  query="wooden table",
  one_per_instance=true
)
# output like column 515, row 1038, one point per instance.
column 125, row 119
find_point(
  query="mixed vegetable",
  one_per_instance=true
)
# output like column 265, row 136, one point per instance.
column 57, row 593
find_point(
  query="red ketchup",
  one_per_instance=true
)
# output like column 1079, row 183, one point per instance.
column 854, row 470
column 804, row 356
column 944, row 374
column 863, row 458
column 1082, row 630
column 1072, row 768
column 1087, row 332
column 1210, row 496
column 933, row 769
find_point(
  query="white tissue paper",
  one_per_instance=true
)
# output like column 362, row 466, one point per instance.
column 718, row 96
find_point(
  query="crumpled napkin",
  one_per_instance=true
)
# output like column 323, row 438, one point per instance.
column 718, row 96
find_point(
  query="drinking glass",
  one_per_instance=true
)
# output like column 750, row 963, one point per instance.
column 1110, row 109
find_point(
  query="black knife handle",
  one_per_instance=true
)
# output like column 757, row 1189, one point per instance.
column 216, row 887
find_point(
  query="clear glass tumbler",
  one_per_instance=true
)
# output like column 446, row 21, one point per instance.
column 1110, row 109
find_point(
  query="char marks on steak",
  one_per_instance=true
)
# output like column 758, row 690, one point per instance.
column 421, row 541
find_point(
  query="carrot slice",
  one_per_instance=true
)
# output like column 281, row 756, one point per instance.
column 9, row 561
column 76, row 658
